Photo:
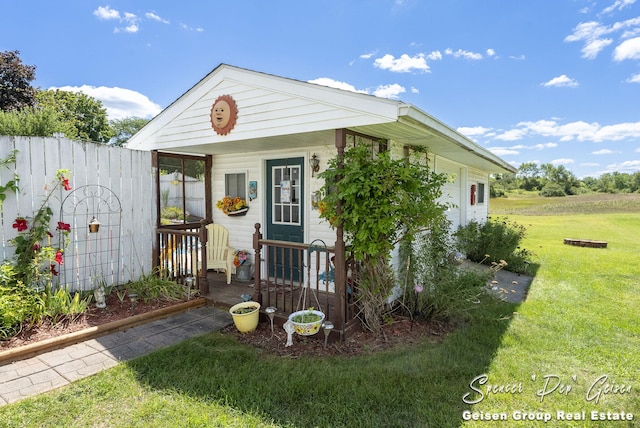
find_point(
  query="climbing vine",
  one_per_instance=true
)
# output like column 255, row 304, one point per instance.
column 383, row 201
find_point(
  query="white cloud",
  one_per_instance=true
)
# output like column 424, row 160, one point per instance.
column 617, row 132
column 463, row 54
column 502, row 151
column 368, row 55
column 118, row 102
column 638, row 150
column 473, row 131
column 634, row 78
column 593, row 34
column 389, row 91
column 618, row 4
column 434, row 56
column 491, row 52
column 415, row 90
column 626, row 166
column 404, row 64
column 106, row 13
column 543, row 146
column 154, row 17
column 562, row 162
column 629, row 49
column 603, row 152
column 383, row 91
column 326, row 81
column 561, row 81
column 188, row 28
column 579, row 130
column 511, row 135
column 515, row 150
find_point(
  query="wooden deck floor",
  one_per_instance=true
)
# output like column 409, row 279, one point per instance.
column 226, row 295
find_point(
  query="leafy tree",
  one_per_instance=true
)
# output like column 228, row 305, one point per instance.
column 529, row 173
column 33, row 122
column 560, row 176
column 125, row 128
column 84, row 114
column 16, row 91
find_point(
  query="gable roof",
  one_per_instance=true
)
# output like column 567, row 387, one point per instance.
column 276, row 113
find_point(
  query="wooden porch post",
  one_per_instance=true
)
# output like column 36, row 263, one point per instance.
column 208, row 166
column 203, row 282
column 340, row 261
column 257, row 248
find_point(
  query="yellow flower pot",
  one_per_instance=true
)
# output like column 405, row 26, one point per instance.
column 244, row 318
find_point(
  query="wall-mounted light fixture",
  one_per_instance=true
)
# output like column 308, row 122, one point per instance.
column 94, row 225
column 314, row 162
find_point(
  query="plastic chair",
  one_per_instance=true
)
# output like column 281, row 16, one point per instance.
column 219, row 254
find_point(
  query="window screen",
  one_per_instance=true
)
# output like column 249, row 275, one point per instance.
column 235, row 185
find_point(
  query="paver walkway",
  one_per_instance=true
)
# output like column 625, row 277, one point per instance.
column 57, row 368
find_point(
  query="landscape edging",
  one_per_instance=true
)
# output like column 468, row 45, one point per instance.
column 33, row 349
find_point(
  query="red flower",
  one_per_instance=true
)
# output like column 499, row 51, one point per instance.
column 59, row 257
column 36, row 246
column 50, row 234
column 65, row 183
column 20, row 224
column 65, row 227
column 54, row 272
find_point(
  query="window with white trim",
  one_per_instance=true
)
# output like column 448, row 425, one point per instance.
column 481, row 193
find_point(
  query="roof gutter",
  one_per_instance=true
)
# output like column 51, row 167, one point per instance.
column 411, row 115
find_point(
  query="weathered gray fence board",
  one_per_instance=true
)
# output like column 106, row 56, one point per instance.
column 127, row 173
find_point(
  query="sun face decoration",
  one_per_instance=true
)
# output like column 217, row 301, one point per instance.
column 224, row 113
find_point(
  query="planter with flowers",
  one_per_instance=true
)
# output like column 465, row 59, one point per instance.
column 242, row 264
column 233, row 206
column 307, row 322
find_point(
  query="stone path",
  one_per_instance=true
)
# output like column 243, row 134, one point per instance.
column 54, row 369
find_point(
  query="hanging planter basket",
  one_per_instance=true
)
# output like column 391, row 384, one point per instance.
column 307, row 322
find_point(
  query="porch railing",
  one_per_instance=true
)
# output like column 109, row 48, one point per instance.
column 181, row 252
column 294, row 276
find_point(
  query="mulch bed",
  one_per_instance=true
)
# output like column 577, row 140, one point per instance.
column 401, row 332
column 115, row 311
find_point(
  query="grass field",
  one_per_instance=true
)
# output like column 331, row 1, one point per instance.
column 573, row 346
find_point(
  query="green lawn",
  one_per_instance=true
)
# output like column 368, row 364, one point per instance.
column 579, row 324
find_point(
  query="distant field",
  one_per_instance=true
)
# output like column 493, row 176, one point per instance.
column 533, row 204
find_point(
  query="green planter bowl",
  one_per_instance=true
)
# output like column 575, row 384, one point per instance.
column 307, row 322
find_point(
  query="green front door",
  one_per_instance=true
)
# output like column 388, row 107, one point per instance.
column 285, row 213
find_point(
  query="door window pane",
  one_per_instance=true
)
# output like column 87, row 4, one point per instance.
column 286, row 194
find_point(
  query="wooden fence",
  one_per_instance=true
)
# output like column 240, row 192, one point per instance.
column 113, row 184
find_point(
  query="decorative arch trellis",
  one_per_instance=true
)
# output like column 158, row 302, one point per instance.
column 93, row 252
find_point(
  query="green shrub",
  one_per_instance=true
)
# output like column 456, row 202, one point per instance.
column 493, row 241
column 156, row 287
column 552, row 189
column 172, row 213
column 434, row 287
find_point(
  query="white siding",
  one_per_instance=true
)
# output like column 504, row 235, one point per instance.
column 480, row 211
column 452, row 192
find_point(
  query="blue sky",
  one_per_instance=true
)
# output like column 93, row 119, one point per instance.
column 546, row 81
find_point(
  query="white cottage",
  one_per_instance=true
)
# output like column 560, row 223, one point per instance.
column 264, row 138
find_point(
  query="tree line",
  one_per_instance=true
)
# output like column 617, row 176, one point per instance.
column 550, row 180
column 29, row 111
